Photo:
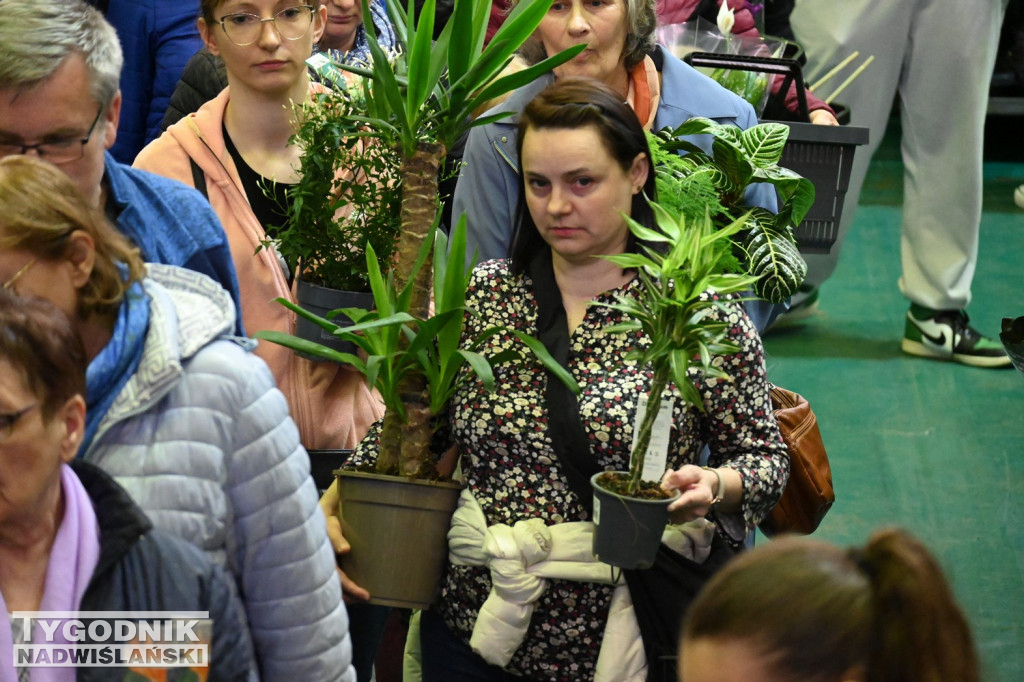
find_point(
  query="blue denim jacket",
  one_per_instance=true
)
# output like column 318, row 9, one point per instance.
column 171, row 223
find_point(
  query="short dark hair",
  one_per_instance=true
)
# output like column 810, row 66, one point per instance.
column 39, row 342
column 577, row 103
column 206, row 8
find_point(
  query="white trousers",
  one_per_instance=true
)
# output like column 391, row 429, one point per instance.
column 937, row 56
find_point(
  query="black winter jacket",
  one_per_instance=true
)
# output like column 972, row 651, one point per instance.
column 141, row 568
column 202, row 80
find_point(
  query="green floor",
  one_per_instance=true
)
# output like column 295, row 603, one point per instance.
column 934, row 447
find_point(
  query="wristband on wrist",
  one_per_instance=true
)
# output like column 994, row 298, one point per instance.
column 717, row 494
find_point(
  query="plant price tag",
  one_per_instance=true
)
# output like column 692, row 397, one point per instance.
column 656, row 460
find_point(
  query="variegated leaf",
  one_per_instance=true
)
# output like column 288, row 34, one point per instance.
column 775, row 261
column 764, row 143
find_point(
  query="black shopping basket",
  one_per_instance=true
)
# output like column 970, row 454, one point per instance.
column 822, row 154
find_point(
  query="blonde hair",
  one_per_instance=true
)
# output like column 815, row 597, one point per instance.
column 40, row 208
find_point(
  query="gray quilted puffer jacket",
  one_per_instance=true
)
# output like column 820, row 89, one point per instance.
column 202, row 440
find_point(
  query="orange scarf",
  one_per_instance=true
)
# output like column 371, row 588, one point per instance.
column 644, row 92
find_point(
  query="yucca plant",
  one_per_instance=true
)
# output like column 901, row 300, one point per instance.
column 423, row 98
column 396, row 344
column 766, row 247
column 680, row 268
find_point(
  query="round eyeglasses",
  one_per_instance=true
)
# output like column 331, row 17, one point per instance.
column 291, row 22
column 58, row 151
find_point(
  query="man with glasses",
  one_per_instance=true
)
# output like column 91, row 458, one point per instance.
column 60, row 63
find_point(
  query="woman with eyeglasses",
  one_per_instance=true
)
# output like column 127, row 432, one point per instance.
column 183, row 416
column 345, row 39
column 232, row 148
column 71, row 539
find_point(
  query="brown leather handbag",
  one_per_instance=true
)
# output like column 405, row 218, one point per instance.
column 809, row 493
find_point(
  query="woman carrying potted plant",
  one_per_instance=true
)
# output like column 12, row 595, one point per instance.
column 621, row 52
column 586, row 165
column 238, row 143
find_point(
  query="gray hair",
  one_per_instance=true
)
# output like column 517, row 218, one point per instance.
column 641, row 22
column 36, row 36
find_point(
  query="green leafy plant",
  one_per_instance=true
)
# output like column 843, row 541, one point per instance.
column 422, row 98
column 331, row 250
column 395, row 343
column 683, row 281
column 766, row 248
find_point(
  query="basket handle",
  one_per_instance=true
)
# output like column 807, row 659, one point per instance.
column 787, row 67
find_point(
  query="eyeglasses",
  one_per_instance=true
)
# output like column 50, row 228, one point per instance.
column 291, row 22
column 7, row 421
column 55, row 151
column 14, row 278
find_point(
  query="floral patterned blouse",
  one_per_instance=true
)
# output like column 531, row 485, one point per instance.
column 514, row 473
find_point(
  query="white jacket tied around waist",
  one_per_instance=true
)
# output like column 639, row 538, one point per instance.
column 201, row 439
column 521, row 559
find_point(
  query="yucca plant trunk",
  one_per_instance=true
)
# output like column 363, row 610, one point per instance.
column 408, row 443
column 643, row 438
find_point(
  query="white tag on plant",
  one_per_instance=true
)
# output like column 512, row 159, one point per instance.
column 656, row 460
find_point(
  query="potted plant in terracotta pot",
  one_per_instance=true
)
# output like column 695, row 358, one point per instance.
column 682, row 260
column 422, row 99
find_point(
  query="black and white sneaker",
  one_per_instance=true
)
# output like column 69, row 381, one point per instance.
column 946, row 335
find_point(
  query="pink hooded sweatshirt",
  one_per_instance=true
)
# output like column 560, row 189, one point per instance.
column 330, row 403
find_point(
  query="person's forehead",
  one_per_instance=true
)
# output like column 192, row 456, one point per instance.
column 254, row 6
column 62, row 100
column 68, row 84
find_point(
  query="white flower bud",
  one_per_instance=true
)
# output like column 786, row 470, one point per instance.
column 726, row 19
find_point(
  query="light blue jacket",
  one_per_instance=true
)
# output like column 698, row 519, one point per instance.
column 201, row 439
column 488, row 187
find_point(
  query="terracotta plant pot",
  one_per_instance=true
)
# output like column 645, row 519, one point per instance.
column 398, row 529
column 627, row 529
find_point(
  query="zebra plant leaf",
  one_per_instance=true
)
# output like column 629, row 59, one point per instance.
column 767, row 248
column 772, row 258
column 732, row 161
column 763, row 144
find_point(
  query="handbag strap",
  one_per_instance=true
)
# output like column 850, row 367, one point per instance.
column 564, row 426
column 659, row 619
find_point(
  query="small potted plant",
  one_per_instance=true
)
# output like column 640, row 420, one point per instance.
column 348, row 197
column 681, row 270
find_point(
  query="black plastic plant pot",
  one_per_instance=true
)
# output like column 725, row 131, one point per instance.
column 627, row 530
column 320, row 301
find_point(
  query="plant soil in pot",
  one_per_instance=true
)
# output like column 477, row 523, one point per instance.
column 398, row 530
column 628, row 529
column 320, row 301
